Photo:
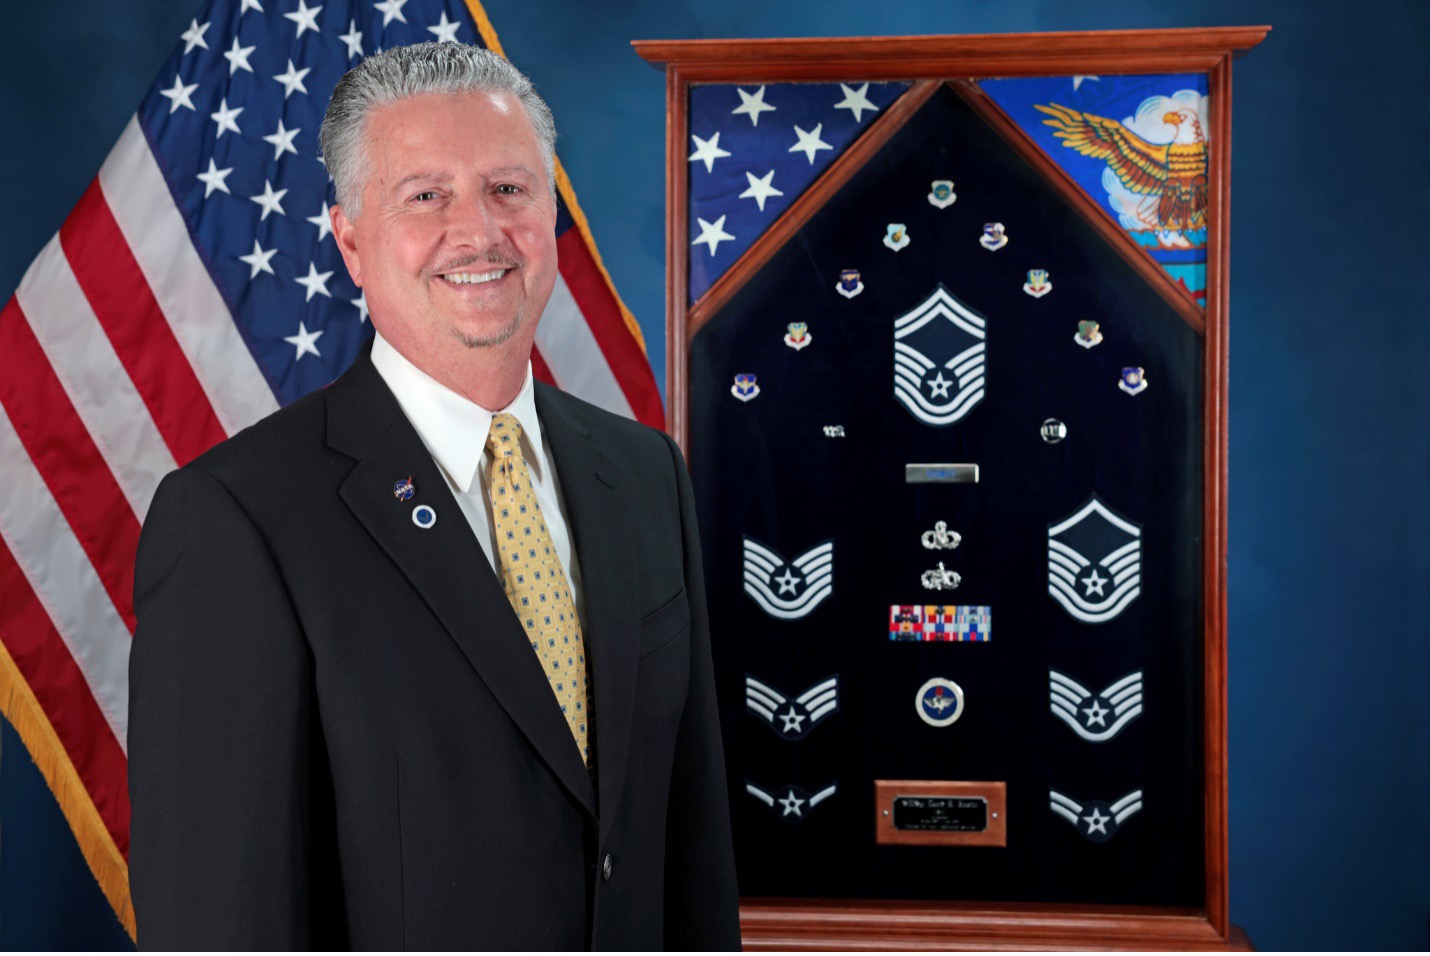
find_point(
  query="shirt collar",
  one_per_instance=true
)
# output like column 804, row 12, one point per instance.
column 454, row 428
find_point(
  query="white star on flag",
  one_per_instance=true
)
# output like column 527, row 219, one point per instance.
column 391, row 10
column 225, row 118
column 250, row 5
column 712, row 235
column 194, row 36
column 446, row 31
column 760, row 188
column 305, row 341
column 258, row 260
column 214, row 179
column 282, row 141
column 293, row 80
column 809, row 143
column 237, row 57
column 315, row 282
column 1078, row 81
column 178, row 94
column 752, row 105
column 270, row 201
column 708, row 150
column 855, row 101
column 353, row 39
column 307, row 19
column 361, row 303
column 323, row 221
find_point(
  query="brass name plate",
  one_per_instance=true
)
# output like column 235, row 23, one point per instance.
column 917, row 474
column 941, row 812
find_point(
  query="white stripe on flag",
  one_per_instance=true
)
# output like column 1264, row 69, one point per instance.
column 572, row 353
column 65, row 582
column 93, row 377
column 141, row 202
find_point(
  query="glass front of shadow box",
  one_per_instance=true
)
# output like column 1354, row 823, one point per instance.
column 946, row 446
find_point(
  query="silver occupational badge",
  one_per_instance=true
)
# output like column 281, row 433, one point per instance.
column 1095, row 819
column 800, row 585
column 1096, row 717
column 938, row 359
column 940, row 538
column 833, row 431
column 792, row 719
column 940, row 579
column 790, row 802
column 1094, row 562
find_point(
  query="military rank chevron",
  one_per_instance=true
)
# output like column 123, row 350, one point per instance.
column 939, row 349
column 1094, row 562
column 1088, row 713
column 796, row 717
column 794, row 802
column 808, row 579
column 1095, row 819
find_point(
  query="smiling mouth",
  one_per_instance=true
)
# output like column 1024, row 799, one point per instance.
column 474, row 278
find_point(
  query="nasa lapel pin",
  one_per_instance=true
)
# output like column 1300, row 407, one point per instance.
column 424, row 517
column 1134, row 380
column 745, row 387
column 849, row 284
column 939, row 702
column 941, row 193
column 1089, row 333
column 797, row 335
column 896, row 236
column 994, row 237
column 403, row 489
column 1037, row 285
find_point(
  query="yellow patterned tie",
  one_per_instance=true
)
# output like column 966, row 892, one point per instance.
column 534, row 580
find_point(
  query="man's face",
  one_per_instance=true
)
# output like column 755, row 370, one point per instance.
column 455, row 243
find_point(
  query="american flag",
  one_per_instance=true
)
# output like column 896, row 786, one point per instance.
column 194, row 289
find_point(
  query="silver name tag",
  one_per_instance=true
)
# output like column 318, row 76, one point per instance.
column 941, row 474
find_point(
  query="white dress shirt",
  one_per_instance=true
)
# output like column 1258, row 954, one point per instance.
column 455, row 429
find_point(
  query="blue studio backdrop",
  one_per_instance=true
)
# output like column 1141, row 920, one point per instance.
column 1329, row 641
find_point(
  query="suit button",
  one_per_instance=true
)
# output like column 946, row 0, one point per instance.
column 606, row 867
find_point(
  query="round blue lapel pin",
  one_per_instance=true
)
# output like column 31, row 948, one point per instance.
column 424, row 517
column 403, row 489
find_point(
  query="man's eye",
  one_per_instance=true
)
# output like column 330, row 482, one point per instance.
column 424, row 196
column 508, row 189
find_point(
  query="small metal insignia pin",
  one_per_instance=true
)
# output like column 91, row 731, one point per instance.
column 896, row 236
column 940, row 538
column 1088, row 334
column 941, row 193
column 849, row 284
column 1037, row 285
column 746, row 387
column 424, row 516
column 940, row 579
column 1133, row 381
column 994, row 236
column 403, row 489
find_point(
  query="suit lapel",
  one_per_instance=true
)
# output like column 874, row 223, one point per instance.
column 600, row 529
column 444, row 563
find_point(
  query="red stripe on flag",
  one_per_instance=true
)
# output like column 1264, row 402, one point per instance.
column 121, row 298
column 62, row 692
column 623, row 354
column 539, row 369
column 65, row 456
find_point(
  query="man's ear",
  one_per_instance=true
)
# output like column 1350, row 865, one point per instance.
column 346, row 234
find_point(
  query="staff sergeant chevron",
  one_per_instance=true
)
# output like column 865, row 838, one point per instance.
column 796, row 717
column 1095, row 819
column 1115, row 546
column 1088, row 713
column 939, row 344
column 793, row 802
column 808, row 579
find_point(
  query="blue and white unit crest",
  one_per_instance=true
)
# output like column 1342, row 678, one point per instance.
column 792, row 719
column 939, row 358
column 1094, row 562
column 788, row 590
column 939, row 702
column 1095, row 819
column 1100, row 716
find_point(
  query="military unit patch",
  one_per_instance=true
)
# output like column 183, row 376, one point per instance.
column 1112, row 575
column 940, row 622
column 797, row 335
column 1095, row 819
column 1037, row 285
column 1133, row 381
column 796, row 717
column 790, row 801
column 745, row 387
column 1096, row 717
column 941, row 193
column 1088, row 334
column 994, row 236
column 808, row 579
column 939, row 702
column 849, row 284
column 896, row 236
column 940, row 335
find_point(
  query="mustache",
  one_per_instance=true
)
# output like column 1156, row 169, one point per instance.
column 500, row 260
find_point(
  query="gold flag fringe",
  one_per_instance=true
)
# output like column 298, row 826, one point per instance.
column 563, row 185
column 25, row 714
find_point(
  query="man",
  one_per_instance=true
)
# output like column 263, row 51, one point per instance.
column 423, row 660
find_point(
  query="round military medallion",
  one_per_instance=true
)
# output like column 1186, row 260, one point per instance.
column 939, row 702
column 1054, row 431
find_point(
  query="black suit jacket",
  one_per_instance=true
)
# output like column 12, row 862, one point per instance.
column 340, row 737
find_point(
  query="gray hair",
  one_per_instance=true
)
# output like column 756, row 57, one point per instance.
column 404, row 71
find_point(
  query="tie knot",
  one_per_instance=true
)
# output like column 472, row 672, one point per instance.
column 505, row 434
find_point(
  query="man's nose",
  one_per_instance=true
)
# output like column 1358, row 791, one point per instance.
column 475, row 221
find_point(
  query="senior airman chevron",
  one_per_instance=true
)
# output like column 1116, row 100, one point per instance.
column 1094, row 553
column 1088, row 713
column 1095, row 819
column 793, row 802
column 808, row 579
column 937, row 345
column 940, row 622
column 796, row 717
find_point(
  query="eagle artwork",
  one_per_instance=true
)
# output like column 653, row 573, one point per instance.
column 1170, row 178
